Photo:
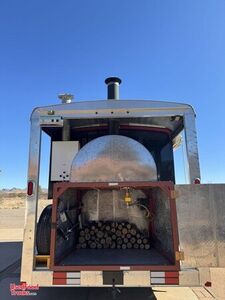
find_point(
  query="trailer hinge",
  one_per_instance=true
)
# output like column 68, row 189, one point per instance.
column 174, row 194
column 179, row 255
column 51, row 121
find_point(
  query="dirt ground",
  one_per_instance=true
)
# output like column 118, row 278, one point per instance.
column 12, row 216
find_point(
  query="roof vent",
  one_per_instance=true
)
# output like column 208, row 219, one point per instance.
column 66, row 98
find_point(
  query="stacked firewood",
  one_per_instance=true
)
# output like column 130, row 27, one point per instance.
column 112, row 235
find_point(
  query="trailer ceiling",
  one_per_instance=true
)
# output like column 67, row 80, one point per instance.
column 173, row 124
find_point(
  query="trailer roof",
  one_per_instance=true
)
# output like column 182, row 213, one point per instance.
column 119, row 104
column 136, row 112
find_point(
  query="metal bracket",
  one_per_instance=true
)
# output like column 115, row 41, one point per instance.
column 51, row 121
column 179, row 255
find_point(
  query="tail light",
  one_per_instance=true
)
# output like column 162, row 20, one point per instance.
column 197, row 181
column 30, row 188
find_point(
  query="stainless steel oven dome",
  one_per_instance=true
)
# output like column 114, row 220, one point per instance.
column 113, row 158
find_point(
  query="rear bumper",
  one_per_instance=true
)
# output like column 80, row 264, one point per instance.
column 96, row 278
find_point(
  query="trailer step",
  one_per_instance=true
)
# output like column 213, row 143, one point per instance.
column 42, row 261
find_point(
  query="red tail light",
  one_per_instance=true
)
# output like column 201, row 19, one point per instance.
column 197, row 181
column 30, row 187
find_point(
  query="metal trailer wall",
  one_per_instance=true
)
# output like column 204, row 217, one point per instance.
column 201, row 224
column 162, row 224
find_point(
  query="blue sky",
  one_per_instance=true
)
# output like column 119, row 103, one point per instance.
column 163, row 50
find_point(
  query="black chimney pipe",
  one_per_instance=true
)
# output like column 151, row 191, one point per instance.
column 113, row 87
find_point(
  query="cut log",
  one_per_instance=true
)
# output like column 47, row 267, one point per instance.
column 119, row 241
column 125, row 240
column 142, row 246
column 120, row 235
column 100, row 234
column 114, row 237
column 129, row 245
column 133, row 240
column 120, row 227
column 93, row 245
column 145, row 241
column 87, row 236
column 107, row 228
column 124, row 231
column 128, row 226
column 81, row 239
column 133, row 231
column 102, row 241
column 83, row 245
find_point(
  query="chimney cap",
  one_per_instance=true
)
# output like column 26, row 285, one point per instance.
column 113, row 80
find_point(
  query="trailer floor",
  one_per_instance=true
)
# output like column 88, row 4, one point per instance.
column 114, row 256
